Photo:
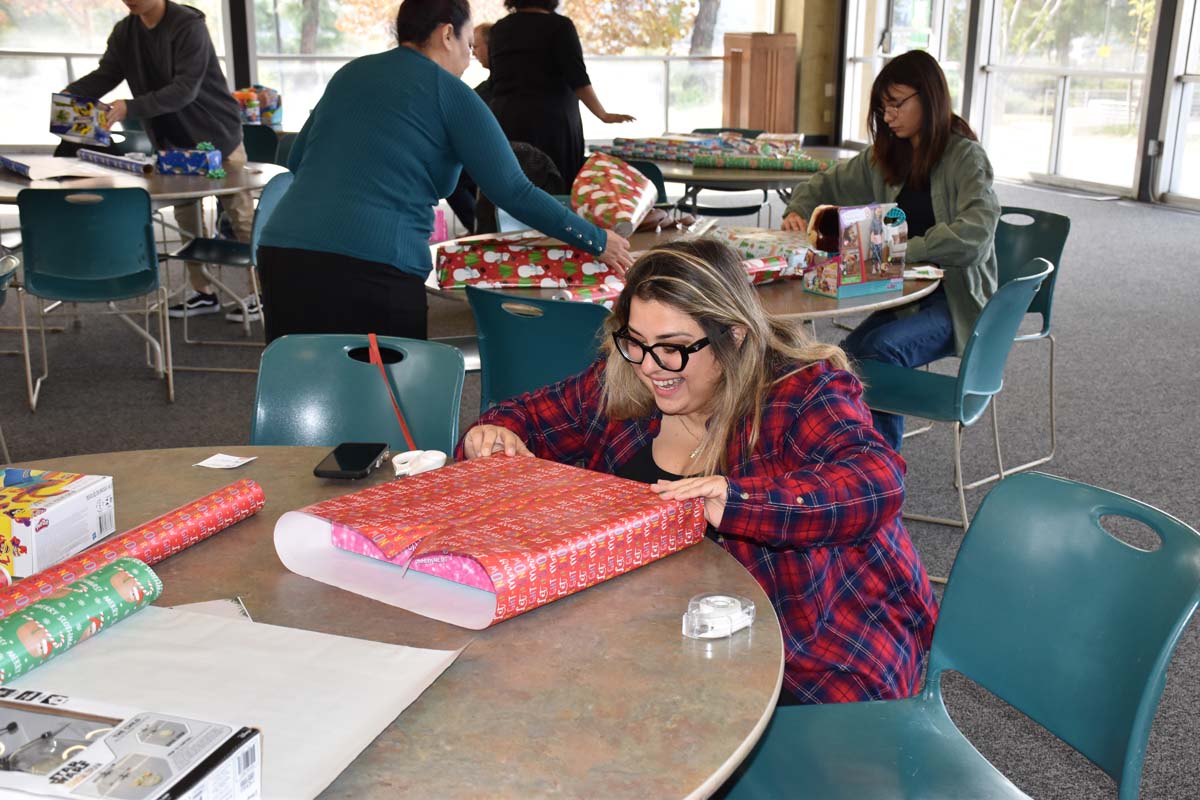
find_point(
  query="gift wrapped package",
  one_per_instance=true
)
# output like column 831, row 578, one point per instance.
column 612, row 194
column 764, row 243
column 871, row 245
column 605, row 294
column 80, row 119
column 768, row 269
column 484, row 540
column 527, row 260
column 198, row 161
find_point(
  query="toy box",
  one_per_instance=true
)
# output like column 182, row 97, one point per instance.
column 48, row 516
column 870, row 258
column 261, row 105
column 198, row 161
column 80, row 119
column 62, row 746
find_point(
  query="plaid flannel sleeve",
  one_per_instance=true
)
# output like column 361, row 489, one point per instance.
column 559, row 422
column 839, row 482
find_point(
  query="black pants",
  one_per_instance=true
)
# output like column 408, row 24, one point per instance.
column 308, row 291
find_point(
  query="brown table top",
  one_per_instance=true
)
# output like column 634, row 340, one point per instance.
column 163, row 189
column 683, row 172
column 595, row 695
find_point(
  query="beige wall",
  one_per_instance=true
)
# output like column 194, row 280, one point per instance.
column 817, row 25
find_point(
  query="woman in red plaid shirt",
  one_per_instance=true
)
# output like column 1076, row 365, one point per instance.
column 703, row 394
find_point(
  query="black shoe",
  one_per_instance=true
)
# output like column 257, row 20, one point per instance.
column 199, row 303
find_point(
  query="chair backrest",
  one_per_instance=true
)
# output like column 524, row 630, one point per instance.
column 321, row 389
column 87, row 244
column 284, row 148
column 654, row 173
column 1017, row 241
column 527, row 343
column 1067, row 623
column 261, row 142
column 270, row 197
column 132, row 140
column 748, row 133
column 981, row 372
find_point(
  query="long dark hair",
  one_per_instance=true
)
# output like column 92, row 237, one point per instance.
column 921, row 71
column 417, row 19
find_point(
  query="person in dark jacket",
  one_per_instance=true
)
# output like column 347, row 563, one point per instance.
column 163, row 51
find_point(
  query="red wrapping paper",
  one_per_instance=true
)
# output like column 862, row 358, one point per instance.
column 539, row 529
column 612, row 194
column 157, row 539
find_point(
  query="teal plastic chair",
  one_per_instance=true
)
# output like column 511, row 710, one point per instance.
column 284, row 148
column 691, row 194
column 91, row 246
column 1046, row 610
column 526, row 343
column 963, row 398
column 321, row 389
column 1017, row 241
column 261, row 143
column 239, row 255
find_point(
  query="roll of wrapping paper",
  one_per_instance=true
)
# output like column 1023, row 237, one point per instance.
column 799, row 163
column 67, row 616
column 603, row 294
column 152, row 542
column 125, row 163
column 767, row 269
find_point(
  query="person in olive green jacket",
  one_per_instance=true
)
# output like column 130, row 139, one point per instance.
column 927, row 160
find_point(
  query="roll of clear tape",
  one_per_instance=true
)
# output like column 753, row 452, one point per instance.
column 716, row 616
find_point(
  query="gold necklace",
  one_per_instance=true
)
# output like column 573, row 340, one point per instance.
column 699, row 439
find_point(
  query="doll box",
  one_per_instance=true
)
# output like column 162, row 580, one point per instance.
column 46, row 517
column 872, row 241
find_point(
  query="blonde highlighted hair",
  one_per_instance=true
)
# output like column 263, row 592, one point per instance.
column 704, row 279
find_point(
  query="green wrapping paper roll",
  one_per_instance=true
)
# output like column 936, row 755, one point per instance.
column 66, row 617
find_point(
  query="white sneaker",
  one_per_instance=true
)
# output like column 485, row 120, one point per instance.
column 254, row 311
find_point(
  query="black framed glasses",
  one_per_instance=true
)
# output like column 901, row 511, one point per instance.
column 894, row 108
column 669, row 356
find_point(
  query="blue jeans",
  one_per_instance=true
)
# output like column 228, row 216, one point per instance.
column 908, row 341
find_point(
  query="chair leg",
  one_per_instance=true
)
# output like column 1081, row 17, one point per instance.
column 1000, row 471
column 1053, row 423
column 32, row 388
column 164, row 336
column 963, row 521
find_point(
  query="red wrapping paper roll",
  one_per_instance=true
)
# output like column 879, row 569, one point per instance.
column 152, row 542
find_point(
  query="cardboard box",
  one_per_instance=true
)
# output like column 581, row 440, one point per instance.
column 80, row 119
column 61, row 746
column 177, row 161
column 872, row 241
column 46, row 517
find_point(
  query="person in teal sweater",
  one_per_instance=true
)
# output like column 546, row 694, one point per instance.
column 347, row 248
column 926, row 159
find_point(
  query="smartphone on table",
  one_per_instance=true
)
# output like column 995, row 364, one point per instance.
column 352, row 460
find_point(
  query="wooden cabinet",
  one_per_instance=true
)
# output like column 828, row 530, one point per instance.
column 760, row 82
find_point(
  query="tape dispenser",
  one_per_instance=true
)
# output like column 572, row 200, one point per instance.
column 715, row 616
column 414, row 462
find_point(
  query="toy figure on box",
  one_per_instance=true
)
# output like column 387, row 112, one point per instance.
column 180, row 96
column 928, row 161
column 347, row 248
column 701, row 393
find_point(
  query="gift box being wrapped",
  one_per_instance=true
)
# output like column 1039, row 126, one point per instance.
column 80, row 119
column 484, row 540
column 198, row 161
column 526, row 260
column 610, row 193
column 872, row 241
column 763, row 242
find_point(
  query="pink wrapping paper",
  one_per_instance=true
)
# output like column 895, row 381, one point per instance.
column 157, row 539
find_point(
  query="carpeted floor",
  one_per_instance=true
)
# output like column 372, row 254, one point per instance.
column 1128, row 378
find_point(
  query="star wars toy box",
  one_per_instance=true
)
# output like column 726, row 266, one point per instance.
column 80, row 119
column 47, row 516
column 856, row 250
column 61, row 746
column 201, row 160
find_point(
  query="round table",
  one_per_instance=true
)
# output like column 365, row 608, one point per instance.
column 594, row 695
column 164, row 190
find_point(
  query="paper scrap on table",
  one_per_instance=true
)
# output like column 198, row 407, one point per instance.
column 226, row 607
column 923, row 273
column 225, row 461
column 303, row 690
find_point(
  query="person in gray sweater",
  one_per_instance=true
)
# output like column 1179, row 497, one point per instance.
column 180, row 96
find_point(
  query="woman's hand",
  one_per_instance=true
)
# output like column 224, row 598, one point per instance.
column 794, row 222
column 713, row 489
column 484, row 440
column 609, row 117
column 616, row 252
